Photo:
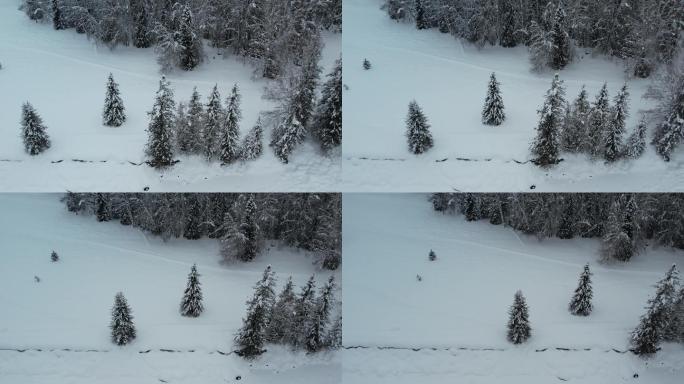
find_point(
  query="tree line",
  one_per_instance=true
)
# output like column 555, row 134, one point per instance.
column 623, row 222
column 272, row 34
column 642, row 32
column 240, row 222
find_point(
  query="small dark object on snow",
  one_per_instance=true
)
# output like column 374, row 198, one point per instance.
column 54, row 257
column 146, row 189
column 419, row 277
column 238, row 377
column 636, row 376
column 366, row 64
column 432, row 256
column 533, row 186
column 37, row 279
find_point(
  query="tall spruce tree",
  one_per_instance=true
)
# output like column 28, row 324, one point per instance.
column 327, row 125
column 599, row 123
column 417, row 130
column 573, row 136
column 493, row 111
column 57, row 18
column 193, row 141
column 191, row 45
column 36, row 140
column 250, row 338
column 508, row 28
column 668, row 134
column 281, row 326
column 230, row 134
column 421, row 22
column 113, row 114
column 123, row 330
column 191, row 304
column 252, row 145
column 320, row 321
column 615, row 131
column 303, row 313
column 518, row 323
column 545, row 147
column 581, row 305
column 159, row 142
column 213, row 120
column 141, row 33
column 636, row 142
column 561, row 52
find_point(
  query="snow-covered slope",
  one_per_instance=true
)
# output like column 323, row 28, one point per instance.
column 62, row 321
column 460, row 306
column 64, row 76
column 448, row 78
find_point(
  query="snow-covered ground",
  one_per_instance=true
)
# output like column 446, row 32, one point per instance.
column 455, row 318
column 64, row 75
column 56, row 330
column 448, row 78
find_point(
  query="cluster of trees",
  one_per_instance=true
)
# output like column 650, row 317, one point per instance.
column 642, row 32
column 270, row 33
column 241, row 222
column 303, row 321
column 624, row 222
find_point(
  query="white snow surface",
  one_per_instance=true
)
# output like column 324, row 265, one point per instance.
column 448, row 78
column 456, row 316
column 64, row 75
column 62, row 322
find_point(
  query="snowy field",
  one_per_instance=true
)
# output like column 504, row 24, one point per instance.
column 64, row 76
column 56, row 330
column 448, row 78
column 451, row 326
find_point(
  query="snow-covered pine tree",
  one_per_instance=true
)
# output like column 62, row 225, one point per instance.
column 334, row 339
column 123, row 330
column 242, row 240
column 36, row 140
column 191, row 45
column 432, row 256
column 545, row 147
column 540, row 46
column 250, row 338
column 519, row 324
column 193, row 141
column 421, row 23
column 599, row 123
column 616, row 244
column 281, row 326
column 327, row 124
column 54, row 257
column 230, row 134
column 320, row 318
column 180, row 126
column 675, row 330
column 191, row 304
column 653, row 325
column 113, row 114
column 508, row 27
column 470, row 207
column 613, row 136
column 252, row 145
column 141, row 34
column 303, row 312
column 581, row 305
column 159, row 142
column 561, row 51
column 417, row 130
column 57, row 21
column 573, row 136
column 213, row 120
column 493, row 111
column 102, row 208
column 668, row 134
column 636, row 142
column 367, row 64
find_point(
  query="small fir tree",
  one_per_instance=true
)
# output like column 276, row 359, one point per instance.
column 159, row 142
column 252, row 145
column 54, row 257
column 545, row 147
column 518, row 324
column 303, row 313
column 417, row 130
column 367, row 64
column 599, row 123
column 36, row 140
column 580, row 305
column 636, row 142
column 493, row 111
column 616, row 129
column 123, row 330
column 230, row 134
column 212, row 124
column 250, row 338
column 432, row 256
column 113, row 114
column 191, row 304
column 190, row 44
column 573, row 136
column 470, row 207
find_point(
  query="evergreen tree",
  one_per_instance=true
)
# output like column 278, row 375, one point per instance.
column 250, row 338
column 123, row 330
column 432, row 256
column 367, row 64
column 327, row 125
column 193, row 141
column 421, row 23
column 318, row 324
column 493, row 111
column 636, row 142
column 669, row 134
column 191, row 304
column 508, row 28
column 54, row 257
column 573, row 137
column 617, row 245
column 193, row 223
column 159, row 143
column 303, row 313
column 334, row 339
column 242, row 241
column 212, row 124
column 580, row 305
column 417, row 130
column 545, row 147
column 57, row 20
column 113, row 114
column 252, row 145
column 616, row 127
column 653, row 325
column 230, row 134
column 470, row 207
column 561, row 53
column 141, row 34
column 180, row 126
column 280, row 328
column 36, row 140
column 675, row 329
column 191, row 45
column 518, row 324
column 599, row 123
column 102, row 212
